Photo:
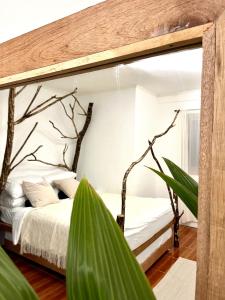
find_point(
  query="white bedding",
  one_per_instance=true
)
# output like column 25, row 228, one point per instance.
column 8, row 214
column 144, row 217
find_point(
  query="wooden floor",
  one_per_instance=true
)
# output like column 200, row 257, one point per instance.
column 51, row 286
column 187, row 249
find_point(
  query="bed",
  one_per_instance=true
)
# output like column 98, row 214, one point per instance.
column 148, row 229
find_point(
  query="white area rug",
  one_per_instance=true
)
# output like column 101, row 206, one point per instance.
column 179, row 282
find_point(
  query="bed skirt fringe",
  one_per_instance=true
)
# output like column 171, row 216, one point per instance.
column 59, row 261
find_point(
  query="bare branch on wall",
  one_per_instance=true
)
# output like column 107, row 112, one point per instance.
column 9, row 141
column 84, row 113
column 78, row 136
column 41, row 107
column 20, row 91
column 63, row 136
column 25, row 157
column 32, row 100
column 64, row 166
column 24, row 143
column 9, row 163
column 81, row 136
column 133, row 164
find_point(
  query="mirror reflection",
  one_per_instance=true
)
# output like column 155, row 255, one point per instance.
column 111, row 126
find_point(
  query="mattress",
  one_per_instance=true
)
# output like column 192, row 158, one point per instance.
column 144, row 217
column 140, row 257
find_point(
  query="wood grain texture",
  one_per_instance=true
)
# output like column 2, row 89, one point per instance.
column 167, row 42
column 216, row 258
column 207, row 107
column 108, row 25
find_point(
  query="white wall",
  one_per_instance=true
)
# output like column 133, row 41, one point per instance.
column 173, row 140
column 107, row 148
column 123, row 121
column 18, row 17
column 141, row 181
column 170, row 146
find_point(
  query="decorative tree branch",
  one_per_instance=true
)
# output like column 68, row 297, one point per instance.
column 25, row 157
column 174, row 203
column 63, row 136
column 168, row 188
column 133, row 164
column 9, row 141
column 64, row 166
column 24, row 143
column 81, row 107
column 12, row 167
column 177, row 221
column 9, row 163
column 20, row 91
column 71, row 117
column 81, row 136
column 32, row 100
column 41, row 107
column 77, row 135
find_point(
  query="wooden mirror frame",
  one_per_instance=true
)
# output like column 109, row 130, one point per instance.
column 117, row 30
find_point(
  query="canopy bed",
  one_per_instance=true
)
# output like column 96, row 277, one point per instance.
column 75, row 45
column 41, row 233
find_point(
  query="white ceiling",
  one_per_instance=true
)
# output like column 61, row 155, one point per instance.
column 163, row 75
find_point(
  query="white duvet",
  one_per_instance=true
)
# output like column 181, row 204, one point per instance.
column 140, row 214
column 139, row 211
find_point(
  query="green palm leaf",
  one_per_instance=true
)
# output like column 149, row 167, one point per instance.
column 187, row 196
column 100, row 264
column 12, row 283
column 182, row 177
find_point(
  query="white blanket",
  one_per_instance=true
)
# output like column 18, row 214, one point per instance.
column 45, row 232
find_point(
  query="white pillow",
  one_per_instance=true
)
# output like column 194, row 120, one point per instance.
column 40, row 194
column 7, row 201
column 14, row 185
column 58, row 175
column 68, row 186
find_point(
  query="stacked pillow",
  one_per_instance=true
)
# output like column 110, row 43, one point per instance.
column 37, row 189
column 13, row 196
column 7, row 200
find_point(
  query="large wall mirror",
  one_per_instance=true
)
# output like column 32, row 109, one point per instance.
column 109, row 118
column 131, row 103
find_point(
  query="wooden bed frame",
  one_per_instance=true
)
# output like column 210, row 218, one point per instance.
column 167, row 245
